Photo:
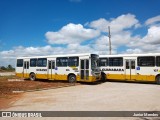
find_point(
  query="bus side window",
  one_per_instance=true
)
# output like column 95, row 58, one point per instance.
column 49, row 65
column 158, row 61
column 146, row 61
column 26, row 64
column 132, row 64
column 62, row 62
column 127, row 64
column 73, row 61
column 33, row 62
column 82, row 64
column 53, row 65
column 42, row 62
column 116, row 61
column 87, row 64
column 103, row 62
column 19, row 62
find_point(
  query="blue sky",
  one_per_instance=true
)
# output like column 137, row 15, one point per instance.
column 40, row 27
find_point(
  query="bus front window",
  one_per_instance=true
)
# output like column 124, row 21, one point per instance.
column 94, row 62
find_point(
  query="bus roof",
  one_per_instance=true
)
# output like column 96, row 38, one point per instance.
column 131, row 55
column 60, row 55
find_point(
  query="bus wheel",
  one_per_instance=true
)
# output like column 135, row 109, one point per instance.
column 158, row 80
column 72, row 79
column 32, row 76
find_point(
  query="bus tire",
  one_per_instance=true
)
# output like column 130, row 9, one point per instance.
column 158, row 79
column 32, row 77
column 72, row 79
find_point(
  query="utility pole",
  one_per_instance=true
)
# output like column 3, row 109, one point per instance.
column 109, row 36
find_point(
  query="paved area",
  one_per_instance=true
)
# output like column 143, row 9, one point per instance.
column 108, row 96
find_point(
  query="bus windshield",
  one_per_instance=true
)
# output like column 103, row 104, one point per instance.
column 94, row 62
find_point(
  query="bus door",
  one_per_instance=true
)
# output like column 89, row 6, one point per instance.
column 51, row 69
column 84, row 70
column 130, row 69
column 26, row 69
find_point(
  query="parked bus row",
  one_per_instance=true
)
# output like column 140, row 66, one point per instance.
column 91, row 67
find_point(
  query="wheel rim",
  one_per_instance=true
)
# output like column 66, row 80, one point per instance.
column 72, row 79
column 32, row 77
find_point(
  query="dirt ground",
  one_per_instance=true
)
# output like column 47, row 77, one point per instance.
column 12, row 88
column 4, row 73
column 108, row 96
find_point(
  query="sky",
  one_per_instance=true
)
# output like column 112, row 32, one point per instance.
column 48, row 27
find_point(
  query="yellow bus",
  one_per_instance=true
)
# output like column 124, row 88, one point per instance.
column 133, row 67
column 71, row 67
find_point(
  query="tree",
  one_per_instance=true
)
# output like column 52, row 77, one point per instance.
column 10, row 67
column 3, row 68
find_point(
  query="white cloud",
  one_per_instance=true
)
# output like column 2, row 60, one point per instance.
column 77, row 48
column 117, row 24
column 9, row 57
column 121, row 35
column 153, row 35
column 121, row 38
column 74, row 35
column 102, row 45
column 153, row 20
column 143, row 49
column 100, row 24
column 150, row 43
column 71, row 34
column 133, row 51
